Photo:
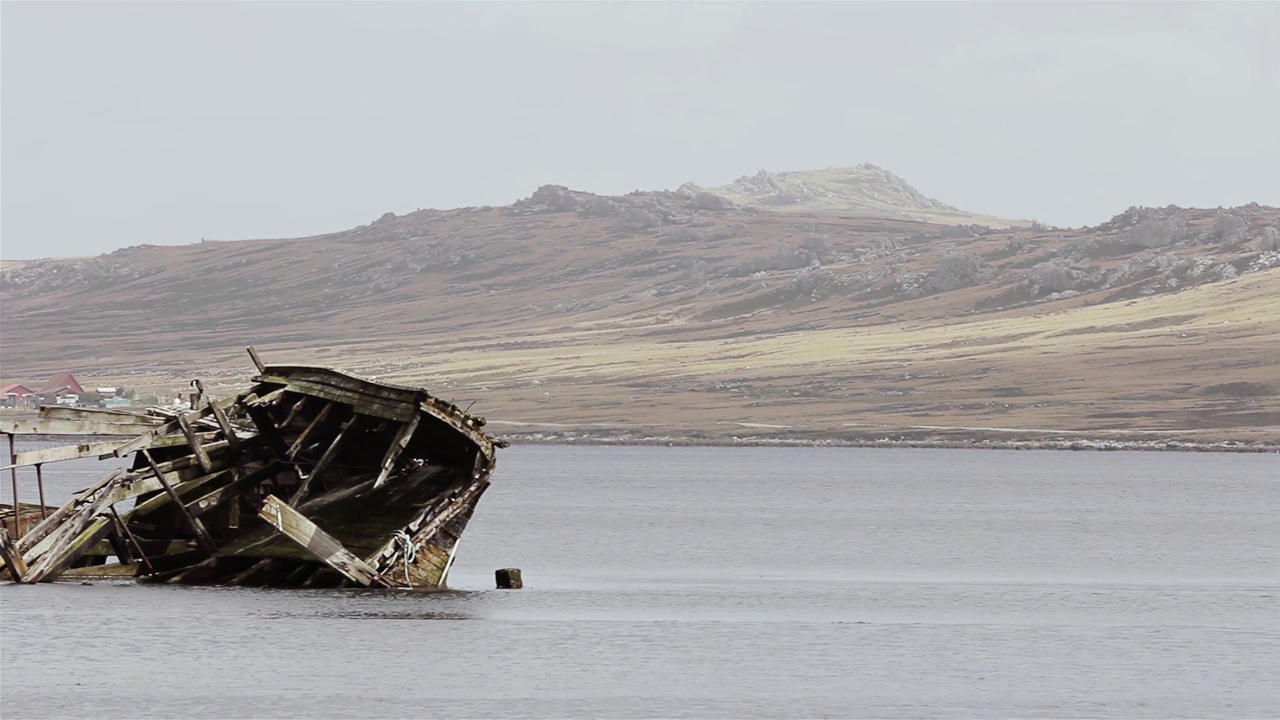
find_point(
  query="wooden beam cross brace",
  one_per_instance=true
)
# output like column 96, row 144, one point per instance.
column 201, row 533
column 322, row 545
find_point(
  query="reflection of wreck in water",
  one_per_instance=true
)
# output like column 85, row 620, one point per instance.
column 312, row 478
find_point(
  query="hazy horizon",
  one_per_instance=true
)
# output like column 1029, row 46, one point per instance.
column 149, row 123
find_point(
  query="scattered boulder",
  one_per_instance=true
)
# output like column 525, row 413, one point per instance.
column 1227, row 228
column 599, row 207
column 957, row 270
column 710, row 201
column 1270, row 241
column 637, row 220
column 1155, row 233
column 689, row 190
column 1053, row 277
column 548, row 199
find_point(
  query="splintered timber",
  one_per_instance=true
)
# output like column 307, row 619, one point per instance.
column 312, row 477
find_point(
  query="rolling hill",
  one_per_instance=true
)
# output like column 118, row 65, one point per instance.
column 695, row 315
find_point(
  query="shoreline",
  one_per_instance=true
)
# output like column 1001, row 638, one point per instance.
column 957, row 442
column 1073, row 444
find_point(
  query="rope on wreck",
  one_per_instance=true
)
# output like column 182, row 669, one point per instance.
column 408, row 551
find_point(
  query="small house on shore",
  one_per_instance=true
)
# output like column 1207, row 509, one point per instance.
column 17, row 395
column 61, row 389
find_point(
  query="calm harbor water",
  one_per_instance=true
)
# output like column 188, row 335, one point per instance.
column 729, row 582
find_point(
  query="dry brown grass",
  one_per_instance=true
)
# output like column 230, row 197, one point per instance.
column 557, row 321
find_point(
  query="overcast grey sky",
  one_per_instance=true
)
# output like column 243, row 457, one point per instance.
column 166, row 123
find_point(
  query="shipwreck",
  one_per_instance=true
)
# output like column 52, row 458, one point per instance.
column 312, row 477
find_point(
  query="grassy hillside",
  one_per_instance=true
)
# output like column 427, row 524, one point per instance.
column 673, row 314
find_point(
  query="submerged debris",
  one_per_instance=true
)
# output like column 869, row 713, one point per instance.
column 311, row 478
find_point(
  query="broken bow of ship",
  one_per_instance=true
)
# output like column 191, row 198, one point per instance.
column 312, row 478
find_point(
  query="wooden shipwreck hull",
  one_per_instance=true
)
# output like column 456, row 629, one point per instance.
column 311, row 478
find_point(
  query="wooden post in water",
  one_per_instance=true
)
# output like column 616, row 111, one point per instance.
column 40, row 486
column 13, row 478
column 508, row 579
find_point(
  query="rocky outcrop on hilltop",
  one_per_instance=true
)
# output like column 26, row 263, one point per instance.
column 637, row 212
column 867, row 190
column 862, row 182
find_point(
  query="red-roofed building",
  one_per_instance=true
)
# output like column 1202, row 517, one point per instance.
column 16, row 395
column 63, row 383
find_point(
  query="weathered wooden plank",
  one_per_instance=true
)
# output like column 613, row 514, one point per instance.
column 168, row 428
column 329, row 454
column 316, row 541
column 81, row 512
column 52, row 563
column 209, row 501
column 252, row 574
column 185, row 489
column 269, row 432
column 123, row 529
column 441, row 412
column 306, row 432
column 193, row 442
column 48, row 525
column 71, row 527
column 430, row 521
column 145, row 439
column 201, row 533
column 62, row 412
column 164, row 441
column 344, row 381
column 368, row 404
column 45, row 426
column 294, row 411
column 257, row 361
column 12, row 558
column 264, row 400
column 179, row 463
column 58, row 454
column 224, row 425
column 398, row 443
